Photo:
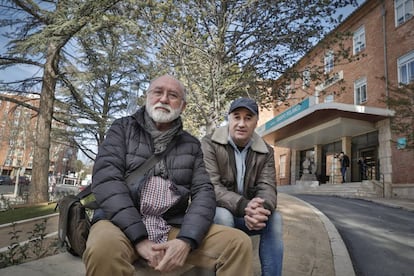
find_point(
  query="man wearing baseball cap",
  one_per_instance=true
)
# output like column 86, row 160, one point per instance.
column 241, row 166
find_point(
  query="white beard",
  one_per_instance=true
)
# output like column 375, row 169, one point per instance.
column 160, row 116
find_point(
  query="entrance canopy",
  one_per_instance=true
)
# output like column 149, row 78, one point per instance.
column 307, row 124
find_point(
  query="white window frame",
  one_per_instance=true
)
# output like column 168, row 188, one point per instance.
column 306, row 78
column 359, row 40
column 405, row 65
column 360, row 91
column 404, row 10
column 329, row 62
column 282, row 166
column 288, row 91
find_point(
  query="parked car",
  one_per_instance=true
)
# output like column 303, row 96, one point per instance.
column 23, row 180
column 5, row 180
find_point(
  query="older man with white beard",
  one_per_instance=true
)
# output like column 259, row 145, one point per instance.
column 167, row 219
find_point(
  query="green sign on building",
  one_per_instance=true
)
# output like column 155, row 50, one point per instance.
column 296, row 109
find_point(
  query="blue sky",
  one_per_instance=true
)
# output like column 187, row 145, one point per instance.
column 14, row 72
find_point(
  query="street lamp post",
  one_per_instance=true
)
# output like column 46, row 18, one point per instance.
column 63, row 174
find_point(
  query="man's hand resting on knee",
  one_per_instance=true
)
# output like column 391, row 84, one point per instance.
column 174, row 253
column 145, row 250
column 166, row 256
column 256, row 215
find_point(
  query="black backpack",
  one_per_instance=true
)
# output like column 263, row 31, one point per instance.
column 75, row 221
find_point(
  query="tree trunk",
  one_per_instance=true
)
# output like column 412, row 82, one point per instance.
column 39, row 187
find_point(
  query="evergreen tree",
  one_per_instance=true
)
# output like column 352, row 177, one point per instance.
column 39, row 32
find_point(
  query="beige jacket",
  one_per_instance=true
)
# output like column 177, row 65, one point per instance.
column 260, row 178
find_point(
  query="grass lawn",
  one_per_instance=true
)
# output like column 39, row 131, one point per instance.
column 26, row 212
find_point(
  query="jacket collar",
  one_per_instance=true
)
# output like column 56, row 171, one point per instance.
column 221, row 134
column 139, row 115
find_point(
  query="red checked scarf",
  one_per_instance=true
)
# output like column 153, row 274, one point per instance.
column 156, row 198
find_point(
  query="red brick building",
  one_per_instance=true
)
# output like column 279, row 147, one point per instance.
column 17, row 138
column 346, row 110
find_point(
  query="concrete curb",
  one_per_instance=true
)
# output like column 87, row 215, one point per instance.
column 406, row 204
column 342, row 260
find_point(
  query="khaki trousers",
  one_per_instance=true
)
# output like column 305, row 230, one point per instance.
column 225, row 250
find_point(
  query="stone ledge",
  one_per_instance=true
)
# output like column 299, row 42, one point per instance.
column 64, row 264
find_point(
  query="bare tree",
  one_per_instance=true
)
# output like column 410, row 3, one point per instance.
column 224, row 49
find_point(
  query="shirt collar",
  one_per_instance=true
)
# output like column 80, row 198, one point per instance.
column 236, row 147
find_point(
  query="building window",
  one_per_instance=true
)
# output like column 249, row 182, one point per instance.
column 305, row 78
column 359, row 40
column 329, row 99
column 403, row 11
column 282, row 166
column 360, row 88
column 406, row 68
column 329, row 62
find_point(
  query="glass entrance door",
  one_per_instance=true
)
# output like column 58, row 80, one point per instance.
column 368, row 164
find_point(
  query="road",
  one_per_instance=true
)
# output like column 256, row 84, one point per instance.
column 380, row 239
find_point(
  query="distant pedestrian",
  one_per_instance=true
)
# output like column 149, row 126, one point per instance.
column 344, row 159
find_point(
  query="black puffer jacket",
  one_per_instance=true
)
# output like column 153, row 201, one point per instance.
column 127, row 146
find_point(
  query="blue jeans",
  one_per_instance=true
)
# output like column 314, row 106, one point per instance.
column 343, row 172
column 271, row 239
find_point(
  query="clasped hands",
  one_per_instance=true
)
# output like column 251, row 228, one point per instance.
column 256, row 215
column 164, row 257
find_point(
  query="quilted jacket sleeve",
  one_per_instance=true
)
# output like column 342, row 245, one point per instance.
column 109, row 187
column 200, row 213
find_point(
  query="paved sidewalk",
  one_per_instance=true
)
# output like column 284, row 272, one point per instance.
column 312, row 247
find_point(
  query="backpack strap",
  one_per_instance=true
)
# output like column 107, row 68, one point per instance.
column 150, row 162
column 87, row 198
column 85, row 192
